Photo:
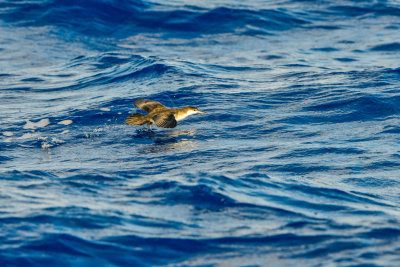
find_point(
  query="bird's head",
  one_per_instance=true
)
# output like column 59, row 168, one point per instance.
column 182, row 113
column 192, row 110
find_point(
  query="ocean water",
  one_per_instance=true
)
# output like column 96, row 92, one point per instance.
column 296, row 161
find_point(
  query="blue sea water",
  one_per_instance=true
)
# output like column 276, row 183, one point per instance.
column 296, row 161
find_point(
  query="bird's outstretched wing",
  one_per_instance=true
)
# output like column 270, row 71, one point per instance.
column 165, row 120
column 149, row 105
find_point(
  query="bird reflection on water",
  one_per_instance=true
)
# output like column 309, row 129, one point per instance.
column 165, row 141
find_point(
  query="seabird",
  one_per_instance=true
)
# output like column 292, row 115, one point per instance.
column 159, row 114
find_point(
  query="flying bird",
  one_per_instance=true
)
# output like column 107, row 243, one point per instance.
column 159, row 114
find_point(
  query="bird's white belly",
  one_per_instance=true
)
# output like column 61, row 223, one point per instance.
column 180, row 117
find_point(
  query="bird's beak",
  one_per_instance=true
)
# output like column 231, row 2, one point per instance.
column 202, row 112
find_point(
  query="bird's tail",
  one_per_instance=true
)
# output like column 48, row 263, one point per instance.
column 137, row 119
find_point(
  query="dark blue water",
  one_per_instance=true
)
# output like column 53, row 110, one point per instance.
column 297, row 161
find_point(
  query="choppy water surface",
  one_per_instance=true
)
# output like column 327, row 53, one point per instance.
column 295, row 163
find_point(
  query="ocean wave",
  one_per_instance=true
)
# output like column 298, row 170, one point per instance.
column 130, row 17
column 88, row 71
column 121, row 250
column 393, row 47
column 377, row 9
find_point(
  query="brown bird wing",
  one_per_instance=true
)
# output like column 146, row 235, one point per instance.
column 149, row 105
column 165, row 120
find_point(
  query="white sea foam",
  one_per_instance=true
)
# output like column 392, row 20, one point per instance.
column 105, row 109
column 56, row 140
column 46, row 145
column 66, row 122
column 33, row 125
